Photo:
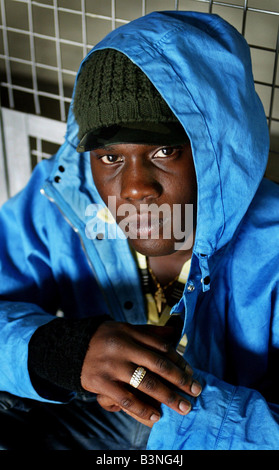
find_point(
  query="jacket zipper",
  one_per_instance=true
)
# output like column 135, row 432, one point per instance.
column 75, row 229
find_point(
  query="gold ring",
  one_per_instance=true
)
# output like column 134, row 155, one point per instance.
column 137, row 377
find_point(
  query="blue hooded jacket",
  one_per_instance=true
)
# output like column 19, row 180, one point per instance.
column 202, row 68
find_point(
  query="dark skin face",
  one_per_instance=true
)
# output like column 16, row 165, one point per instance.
column 135, row 175
column 148, row 174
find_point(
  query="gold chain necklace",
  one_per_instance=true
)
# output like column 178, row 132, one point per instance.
column 159, row 296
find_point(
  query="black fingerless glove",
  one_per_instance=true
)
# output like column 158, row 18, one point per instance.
column 57, row 351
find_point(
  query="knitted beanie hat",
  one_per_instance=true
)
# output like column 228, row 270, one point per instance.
column 113, row 94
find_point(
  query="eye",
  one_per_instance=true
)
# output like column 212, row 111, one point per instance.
column 167, row 152
column 111, row 159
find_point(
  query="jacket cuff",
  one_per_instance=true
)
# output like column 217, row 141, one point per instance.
column 57, row 351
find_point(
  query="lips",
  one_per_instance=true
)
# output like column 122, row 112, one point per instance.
column 143, row 225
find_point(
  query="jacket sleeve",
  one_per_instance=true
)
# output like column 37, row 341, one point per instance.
column 29, row 295
column 223, row 417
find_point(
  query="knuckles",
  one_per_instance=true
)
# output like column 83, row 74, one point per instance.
column 126, row 402
column 172, row 398
column 163, row 364
column 114, row 342
column 150, row 383
column 143, row 413
column 166, row 347
column 184, row 380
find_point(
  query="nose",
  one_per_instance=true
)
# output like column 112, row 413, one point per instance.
column 139, row 183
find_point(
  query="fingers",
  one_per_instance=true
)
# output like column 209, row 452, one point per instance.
column 163, row 359
column 130, row 402
column 160, row 390
column 152, row 385
column 115, row 352
column 160, row 339
column 167, row 369
column 142, row 403
column 108, row 404
column 155, row 337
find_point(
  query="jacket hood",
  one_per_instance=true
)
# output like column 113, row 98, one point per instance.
column 201, row 66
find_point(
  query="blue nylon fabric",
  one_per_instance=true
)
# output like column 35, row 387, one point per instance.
column 202, row 68
column 225, row 417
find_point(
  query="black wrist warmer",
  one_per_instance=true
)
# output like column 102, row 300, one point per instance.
column 58, row 348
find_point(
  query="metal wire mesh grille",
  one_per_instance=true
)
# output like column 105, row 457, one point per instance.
column 44, row 41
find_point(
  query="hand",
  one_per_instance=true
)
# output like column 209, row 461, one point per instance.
column 108, row 404
column 117, row 349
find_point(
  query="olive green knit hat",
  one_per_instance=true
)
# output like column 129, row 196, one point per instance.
column 113, row 94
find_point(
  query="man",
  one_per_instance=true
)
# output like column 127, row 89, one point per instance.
column 164, row 114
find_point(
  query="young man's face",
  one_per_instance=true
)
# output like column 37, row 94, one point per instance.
column 142, row 179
